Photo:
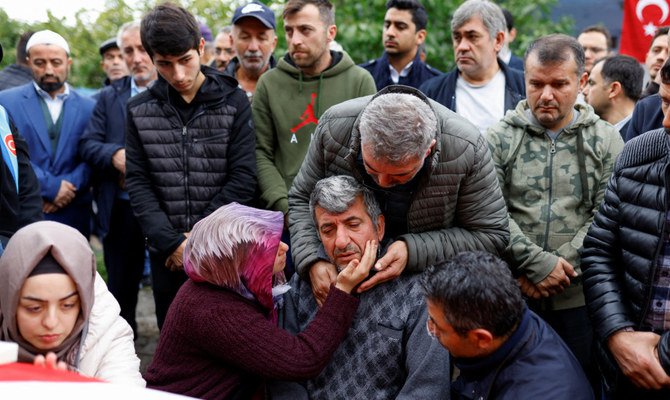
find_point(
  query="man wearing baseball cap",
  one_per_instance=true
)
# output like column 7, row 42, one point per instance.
column 52, row 117
column 112, row 62
column 254, row 40
column 20, row 202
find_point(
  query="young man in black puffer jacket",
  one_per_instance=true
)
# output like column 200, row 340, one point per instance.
column 190, row 145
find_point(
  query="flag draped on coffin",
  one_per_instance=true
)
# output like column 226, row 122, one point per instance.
column 641, row 18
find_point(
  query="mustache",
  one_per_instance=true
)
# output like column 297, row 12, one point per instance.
column 253, row 54
column 351, row 248
column 546, row 104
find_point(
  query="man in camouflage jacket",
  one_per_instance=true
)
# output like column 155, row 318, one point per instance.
column 553, row 159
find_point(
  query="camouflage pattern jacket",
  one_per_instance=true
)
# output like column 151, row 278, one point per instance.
column 552, row 188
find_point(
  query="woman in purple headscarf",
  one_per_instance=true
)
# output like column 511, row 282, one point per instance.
column 220, row 339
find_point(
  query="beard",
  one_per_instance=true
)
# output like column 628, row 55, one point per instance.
column 50, row 87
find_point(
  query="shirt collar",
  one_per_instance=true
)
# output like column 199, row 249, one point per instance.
column 46, row 96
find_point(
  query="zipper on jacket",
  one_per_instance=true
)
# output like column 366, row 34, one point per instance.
column 184, row 161
column 658, row 251
column 552, row 151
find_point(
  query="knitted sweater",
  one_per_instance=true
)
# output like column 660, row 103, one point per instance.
column 214, row 340
column 387, row 353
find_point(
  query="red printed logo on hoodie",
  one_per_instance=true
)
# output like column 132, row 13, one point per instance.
column 307, row 117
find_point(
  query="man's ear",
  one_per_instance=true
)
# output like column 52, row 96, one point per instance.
column 331, row 33
column 615, row 89
column 420, row 36
column 481, row 338
column 201, row 47
column 381, row 225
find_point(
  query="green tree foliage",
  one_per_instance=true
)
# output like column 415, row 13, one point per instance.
column 359, row 29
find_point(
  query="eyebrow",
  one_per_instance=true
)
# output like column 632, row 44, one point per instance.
column 374, row 170
column 75, row 293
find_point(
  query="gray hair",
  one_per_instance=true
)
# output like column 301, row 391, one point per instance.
column 128, row 26
column 336, row 194
column 397, row 127
column 490, row 13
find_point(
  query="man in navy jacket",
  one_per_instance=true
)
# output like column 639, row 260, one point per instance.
column 404, row 30
column 482, row 87
column 501, row 348
column 103, row 146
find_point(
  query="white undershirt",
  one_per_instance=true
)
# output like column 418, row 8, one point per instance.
column 395, row 76
column 483, row 105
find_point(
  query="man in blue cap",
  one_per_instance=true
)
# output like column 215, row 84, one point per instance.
column 254, row 39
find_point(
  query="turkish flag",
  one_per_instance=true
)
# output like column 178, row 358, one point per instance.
column 640, row 20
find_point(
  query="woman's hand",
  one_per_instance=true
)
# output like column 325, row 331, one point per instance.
column 356, row 271
column 50, row 361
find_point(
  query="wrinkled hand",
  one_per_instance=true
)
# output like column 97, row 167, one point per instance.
column 637, row 355
column 558, row 279
column 48, row 207
column 528, row 288
column 65, row 194
column 356, row 271
column 388, row 267
column 176, row 260
column 322, row 274
column 119, row 160
column 50, row 361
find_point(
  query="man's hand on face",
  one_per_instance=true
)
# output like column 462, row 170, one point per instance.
column 558, row 279
column 356, row 271
column 637, row 355
column 322, row 274
column 388, row 267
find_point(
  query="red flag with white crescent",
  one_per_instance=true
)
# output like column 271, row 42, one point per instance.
column 641, row 18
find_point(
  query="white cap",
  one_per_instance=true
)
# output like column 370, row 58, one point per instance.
column 47, row 37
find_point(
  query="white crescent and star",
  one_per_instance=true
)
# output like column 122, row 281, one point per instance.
column 650, row 27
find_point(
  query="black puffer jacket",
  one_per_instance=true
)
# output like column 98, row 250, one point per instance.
column 178, row 172
column 622, row 246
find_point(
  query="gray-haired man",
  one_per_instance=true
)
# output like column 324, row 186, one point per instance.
column 386, row 353
column 429, row 169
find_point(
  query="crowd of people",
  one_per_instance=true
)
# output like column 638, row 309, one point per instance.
column 318, row 229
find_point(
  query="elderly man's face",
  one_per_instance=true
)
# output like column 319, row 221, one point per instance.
column 254, row 44
column 344, row 235
column 50, row 66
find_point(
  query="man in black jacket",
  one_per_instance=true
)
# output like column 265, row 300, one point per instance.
column 626, row 266
column 20, row 199
column 190, row 145
column 103, row 146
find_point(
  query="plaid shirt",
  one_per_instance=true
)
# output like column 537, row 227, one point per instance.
column 658, row 315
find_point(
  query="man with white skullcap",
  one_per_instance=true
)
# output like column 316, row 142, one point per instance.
column 52, row 117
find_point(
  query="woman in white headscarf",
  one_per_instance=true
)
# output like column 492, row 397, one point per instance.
column 53, row 301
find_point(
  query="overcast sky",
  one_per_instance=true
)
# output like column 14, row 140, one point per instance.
column 35, row 10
